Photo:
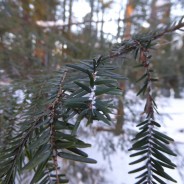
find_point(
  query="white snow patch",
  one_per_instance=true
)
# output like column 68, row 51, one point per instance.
column 172, row 123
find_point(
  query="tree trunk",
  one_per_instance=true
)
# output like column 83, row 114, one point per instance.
column 153, row 16
column 91, row 16
column 128, row 22
column 97, row 15
column 70, row 17
column 127, row 34
column 102, row 25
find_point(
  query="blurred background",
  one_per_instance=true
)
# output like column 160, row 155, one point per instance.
column 38, row 37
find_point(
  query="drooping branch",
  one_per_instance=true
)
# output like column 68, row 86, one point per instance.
column 149, row 143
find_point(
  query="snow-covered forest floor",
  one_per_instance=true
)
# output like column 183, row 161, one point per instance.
column 111, row 152
column 115, row 166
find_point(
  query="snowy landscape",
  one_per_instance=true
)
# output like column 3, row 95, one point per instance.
column 85, row 86
column 171, row 117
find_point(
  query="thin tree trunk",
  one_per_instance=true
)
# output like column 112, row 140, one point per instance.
column 26, row 27
column 173, row 80
column 128, row 24
column 64, row 15
column 127, row 34
column 102, row 25
column 97, row 15
column 91, row 16
column 70, row 16
column 119, row 20
column 153, row 16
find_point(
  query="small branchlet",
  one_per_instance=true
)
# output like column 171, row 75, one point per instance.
column 53, row 114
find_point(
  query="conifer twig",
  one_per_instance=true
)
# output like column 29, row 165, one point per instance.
column 131, row 44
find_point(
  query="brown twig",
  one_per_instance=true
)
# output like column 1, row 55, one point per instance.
column 131, row 44
column 169, row 30
column 52, row 108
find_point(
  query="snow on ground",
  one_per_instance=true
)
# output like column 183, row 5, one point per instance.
column 116, row 167
column 172, row 121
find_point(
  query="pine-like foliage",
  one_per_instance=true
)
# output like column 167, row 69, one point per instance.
column 46, row 131
column 150, row 144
